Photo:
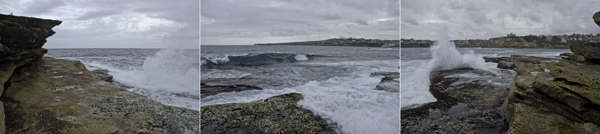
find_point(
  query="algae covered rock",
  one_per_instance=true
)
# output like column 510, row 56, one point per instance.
column 61, row 96
column 277, row 114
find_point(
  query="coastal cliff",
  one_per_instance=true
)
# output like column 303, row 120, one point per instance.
column 46, row 95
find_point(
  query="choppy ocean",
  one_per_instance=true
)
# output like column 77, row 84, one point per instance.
column 168, row 76
column 335, row 81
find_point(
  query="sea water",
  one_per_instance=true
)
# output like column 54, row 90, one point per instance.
column 168, row 76
column 335, row 81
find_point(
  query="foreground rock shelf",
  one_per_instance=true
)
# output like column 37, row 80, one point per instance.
column 277, row 114
column 47, row 95
column 60, row 96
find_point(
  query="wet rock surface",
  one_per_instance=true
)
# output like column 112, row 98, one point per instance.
column 61, row 96
column 103, row 74
column 468, row 101
column 277, row 114
column 390, row 81
column 208, row 90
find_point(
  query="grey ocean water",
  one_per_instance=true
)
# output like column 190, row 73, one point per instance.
column 335, row 81
column 168, row 76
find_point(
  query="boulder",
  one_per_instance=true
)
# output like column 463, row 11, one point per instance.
column 596, row 18
column 390, row 81
column 61, row 96
column 277, row 114
column 589, row 50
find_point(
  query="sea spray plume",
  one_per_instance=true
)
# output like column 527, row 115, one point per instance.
column 446, row 56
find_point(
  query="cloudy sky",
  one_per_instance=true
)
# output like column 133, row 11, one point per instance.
column 115, row 23
column 483, row 19
column 246, row 22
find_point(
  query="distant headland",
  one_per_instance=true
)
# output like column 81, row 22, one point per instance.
column 356, row 42
column 513, row 41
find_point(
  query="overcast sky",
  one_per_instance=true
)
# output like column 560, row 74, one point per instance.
column 484, row 19
column 246, row 22
column 114, row 23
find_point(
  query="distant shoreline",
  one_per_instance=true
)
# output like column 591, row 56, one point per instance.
column 353, row 42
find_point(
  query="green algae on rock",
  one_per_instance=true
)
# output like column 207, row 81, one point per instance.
column 60, row 96
column 277, row 114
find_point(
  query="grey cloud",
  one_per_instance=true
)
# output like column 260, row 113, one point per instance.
column 43, row 6
column 293, row 20
column 97, row 14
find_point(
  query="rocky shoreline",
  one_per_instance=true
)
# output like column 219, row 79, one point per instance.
column 277, row 114
column 47, row 95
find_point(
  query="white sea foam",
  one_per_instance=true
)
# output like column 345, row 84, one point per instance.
column 415, row 87
column 349, row 101
column 169, row 77
column 300, row 57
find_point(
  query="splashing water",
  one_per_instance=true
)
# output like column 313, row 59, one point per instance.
column 445, row 57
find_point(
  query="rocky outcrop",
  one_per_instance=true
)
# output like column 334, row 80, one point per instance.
column 47, row 95
column 21, row 41
column 552, row 96
column 60, row 96
column 589, row 51
column 390, row 81
column 556, row 96
column 277, row 114
column 468, row 101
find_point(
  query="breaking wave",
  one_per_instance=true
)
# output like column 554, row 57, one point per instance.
column 254, row 59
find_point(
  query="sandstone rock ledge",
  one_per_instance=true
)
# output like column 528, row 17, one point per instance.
column 60, row 96
column 277, row 114
column 554, row 95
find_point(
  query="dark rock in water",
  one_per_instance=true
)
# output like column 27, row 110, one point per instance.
column 277, row 114
column 589, row 50
column 495, row 59
column 468, row 101
column 208, row 90
column 506, row 65
column 388, row 82
column 103, row 74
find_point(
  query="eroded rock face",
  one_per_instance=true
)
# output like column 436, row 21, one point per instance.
column 21, row 41
column 277, row 114
column 61, row 96
column 25, row 32
column 554, row 96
